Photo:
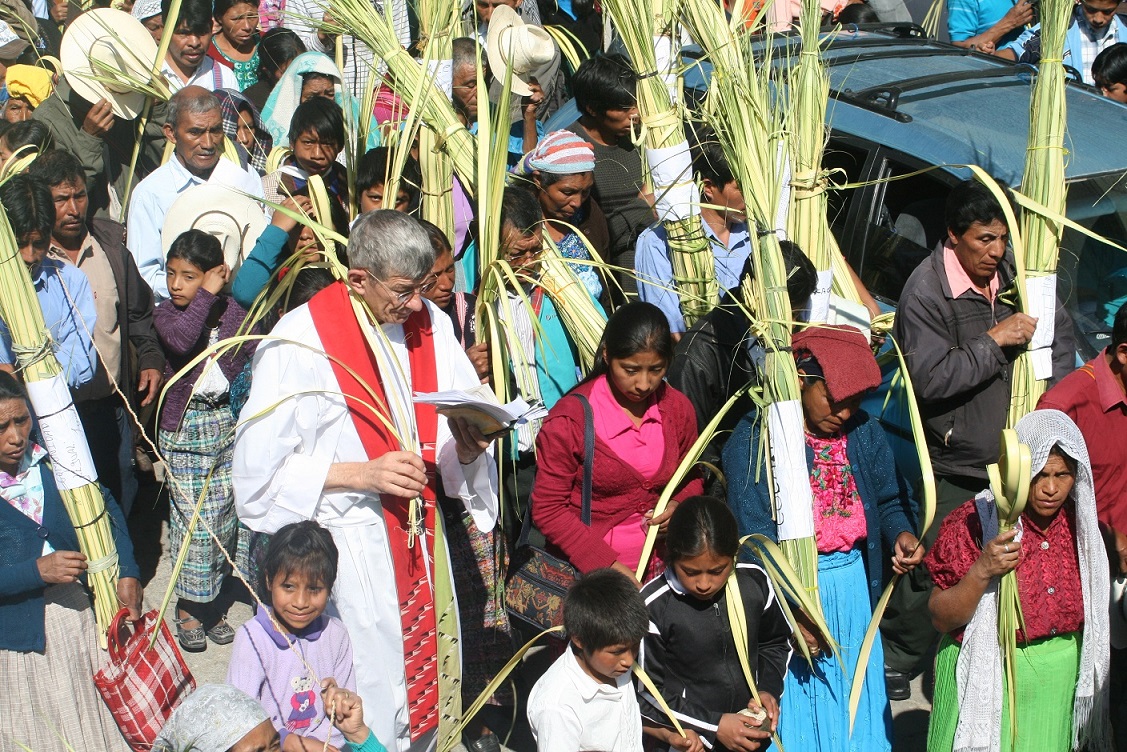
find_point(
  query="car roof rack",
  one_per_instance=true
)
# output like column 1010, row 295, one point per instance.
column 885, row 99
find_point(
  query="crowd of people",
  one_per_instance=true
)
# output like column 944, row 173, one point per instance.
column 211, row 325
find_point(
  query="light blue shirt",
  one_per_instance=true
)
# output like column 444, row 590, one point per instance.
column 1080, row 39
column 151, row 201
column 966, row 18
column 56, row 285
column 655, row 268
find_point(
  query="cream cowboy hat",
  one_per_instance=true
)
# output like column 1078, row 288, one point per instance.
column 511, row 43
column 115, row 40
column 233, row 217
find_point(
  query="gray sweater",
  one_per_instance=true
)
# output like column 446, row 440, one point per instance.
column 961, row 376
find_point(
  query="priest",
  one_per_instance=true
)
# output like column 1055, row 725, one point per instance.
column 330, row 433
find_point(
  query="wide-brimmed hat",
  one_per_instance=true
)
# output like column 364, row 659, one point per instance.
column 233, row 217
column 511, row 43
column 115, row 40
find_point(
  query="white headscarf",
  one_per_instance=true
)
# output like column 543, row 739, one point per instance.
column 214, row 718
column 978, row 671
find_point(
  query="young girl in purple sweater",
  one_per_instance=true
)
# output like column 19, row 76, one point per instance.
column 297, row 576
column 197, row 430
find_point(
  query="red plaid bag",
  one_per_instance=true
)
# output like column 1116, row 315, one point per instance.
column 141, row 686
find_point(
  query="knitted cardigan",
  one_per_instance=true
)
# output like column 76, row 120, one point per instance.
column 885, row 495
column 21, row 544
column 618, row 490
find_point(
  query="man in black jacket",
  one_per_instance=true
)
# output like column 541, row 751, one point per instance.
column 130, row 359
column 719, row 354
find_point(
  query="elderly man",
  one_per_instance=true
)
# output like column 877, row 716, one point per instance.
column 315, row 444
column 124, row 323
column 960, row 335
column 195, row 128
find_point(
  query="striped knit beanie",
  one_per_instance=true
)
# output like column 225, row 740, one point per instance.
column 559, row 152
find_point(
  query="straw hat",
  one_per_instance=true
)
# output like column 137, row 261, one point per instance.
column 511, row 43
column 117, row 41
column 235, row 218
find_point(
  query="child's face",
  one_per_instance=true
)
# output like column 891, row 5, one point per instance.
column 297, row 600
column 372, row 198
column 705, row 574
column 605, row 665
column 184, row 280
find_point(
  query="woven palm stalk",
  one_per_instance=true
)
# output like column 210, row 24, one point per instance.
column 440, row 22
column 1043, row 182
column 1009, row 482
column 644, row 25
column 60, row 427
column 739, row 106
column 411, row 82
column 808, row 91
column 581, row 316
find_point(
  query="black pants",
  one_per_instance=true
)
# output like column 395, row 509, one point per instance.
column 110, row 436
column 906, row 629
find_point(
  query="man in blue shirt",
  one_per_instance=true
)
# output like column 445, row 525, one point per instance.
column 724, row 215
column 1094, row 28
column 63, row 291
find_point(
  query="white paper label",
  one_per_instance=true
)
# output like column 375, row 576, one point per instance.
column 442, row 73
column 852, row 314
column 1041, row 303
column 794, row 503
column 820, row 299
column 663, row 53
column 62, row 433
column 676, row 193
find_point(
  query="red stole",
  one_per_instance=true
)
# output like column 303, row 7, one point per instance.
column 343, row 340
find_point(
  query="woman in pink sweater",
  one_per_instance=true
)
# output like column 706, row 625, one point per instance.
column 643, row 429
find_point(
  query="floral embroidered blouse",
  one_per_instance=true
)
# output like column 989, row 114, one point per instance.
column 839, row 516
column 24, row 490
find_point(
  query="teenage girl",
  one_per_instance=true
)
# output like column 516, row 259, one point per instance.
column 197, row 430
column 297, row 576
column 689, row 651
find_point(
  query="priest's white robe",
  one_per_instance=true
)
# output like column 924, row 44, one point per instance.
column 282, row 458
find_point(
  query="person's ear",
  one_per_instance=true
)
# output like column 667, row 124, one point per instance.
column 357, row 280
column 169, row 132
column 1121, row 354
column 536, row 179
column 802, row 380
column 707, row 190
column 578, row 645
column 952, row 237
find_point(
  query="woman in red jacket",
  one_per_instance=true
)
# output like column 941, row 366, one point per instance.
column 643, row 429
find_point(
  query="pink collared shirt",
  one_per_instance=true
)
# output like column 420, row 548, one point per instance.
column 640, row 446
column 958, row 279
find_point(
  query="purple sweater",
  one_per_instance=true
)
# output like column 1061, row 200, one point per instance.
column 264, row 667
column 183, row 334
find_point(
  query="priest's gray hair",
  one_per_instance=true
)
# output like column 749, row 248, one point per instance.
column 390, row 244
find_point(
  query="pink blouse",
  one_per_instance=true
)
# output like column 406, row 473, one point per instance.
column 640, row 446
column 839, row 515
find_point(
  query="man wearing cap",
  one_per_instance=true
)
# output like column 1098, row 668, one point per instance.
column 123, row 306
column 195, row 127
column 314, row 443
column 960, row 337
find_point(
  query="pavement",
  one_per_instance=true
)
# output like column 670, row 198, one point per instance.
column 149, row 527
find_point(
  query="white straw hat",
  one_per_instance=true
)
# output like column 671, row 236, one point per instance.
column 233, row 217
column 511, row 43
column 117, row 41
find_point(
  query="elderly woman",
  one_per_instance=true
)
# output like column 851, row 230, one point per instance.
column 561, row 171
column 218, row 718
column 1062, row 583
column 48, row 639
column 862, row 514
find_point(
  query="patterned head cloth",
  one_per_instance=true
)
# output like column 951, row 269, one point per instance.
column 559, row 152
column 143, row 9
column 214, row 718
column 841, row 355
column 30, row 82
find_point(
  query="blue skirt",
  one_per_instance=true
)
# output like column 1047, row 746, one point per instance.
column 814, row 709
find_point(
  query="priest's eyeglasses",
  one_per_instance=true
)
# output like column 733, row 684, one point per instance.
column 402, row 297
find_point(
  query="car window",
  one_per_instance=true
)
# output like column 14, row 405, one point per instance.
column 1092, row 276
column 903, row 226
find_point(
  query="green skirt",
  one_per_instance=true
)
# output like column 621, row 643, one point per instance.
column 1047, row 670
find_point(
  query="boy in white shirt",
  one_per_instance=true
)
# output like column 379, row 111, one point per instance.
column 586, row 701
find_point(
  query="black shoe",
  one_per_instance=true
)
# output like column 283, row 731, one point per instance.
column 897, row 684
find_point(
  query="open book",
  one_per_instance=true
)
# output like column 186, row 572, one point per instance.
column 480, row 407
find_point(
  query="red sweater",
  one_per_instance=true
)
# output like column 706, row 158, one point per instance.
column 618, row 490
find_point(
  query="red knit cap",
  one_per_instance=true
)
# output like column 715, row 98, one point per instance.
column 844, row 357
